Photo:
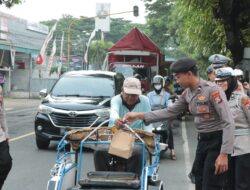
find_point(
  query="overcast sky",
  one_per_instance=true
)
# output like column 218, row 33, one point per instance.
column 40, row 10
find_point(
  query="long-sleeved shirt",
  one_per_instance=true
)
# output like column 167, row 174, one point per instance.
column 3, row 126
column 158, row 99
column 210, row 108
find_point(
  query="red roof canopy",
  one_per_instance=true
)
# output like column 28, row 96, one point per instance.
column 135, row 40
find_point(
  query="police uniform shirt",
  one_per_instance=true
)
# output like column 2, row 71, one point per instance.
column 211, row 112
column 239, row 104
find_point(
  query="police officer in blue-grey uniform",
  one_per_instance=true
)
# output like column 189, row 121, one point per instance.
column 219, row 60
column 239, row 104
column 5, row 158
column 213, row 120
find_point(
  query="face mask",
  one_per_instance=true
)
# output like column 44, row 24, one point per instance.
column 157, row 86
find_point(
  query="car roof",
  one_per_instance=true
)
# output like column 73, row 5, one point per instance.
column 89, row 72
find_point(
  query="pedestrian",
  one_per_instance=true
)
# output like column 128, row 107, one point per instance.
column 5, row 158
column 213, row 120
column 239, row 103
column 159, row 99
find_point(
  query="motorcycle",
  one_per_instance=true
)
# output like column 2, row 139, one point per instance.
column 162, row 129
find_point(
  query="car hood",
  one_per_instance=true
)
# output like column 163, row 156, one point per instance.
column 75, row 104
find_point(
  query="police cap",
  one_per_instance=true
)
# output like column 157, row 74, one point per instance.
column 223, row 73
column 210, row 69
column 182, row 65
column 218, row 60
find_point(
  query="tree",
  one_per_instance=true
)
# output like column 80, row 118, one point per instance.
column 10, row 3
column 201, row 27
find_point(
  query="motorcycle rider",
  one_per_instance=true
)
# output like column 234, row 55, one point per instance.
column 239, row 104
column 159, row 99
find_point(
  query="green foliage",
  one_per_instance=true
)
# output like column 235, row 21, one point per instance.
column 97, row 52
column 10, row 3
column 80, row 31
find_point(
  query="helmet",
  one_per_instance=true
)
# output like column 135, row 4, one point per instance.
column 238, row 72
column 223, row 73
column 167, row 79
column 158, row 79
column 218, row 60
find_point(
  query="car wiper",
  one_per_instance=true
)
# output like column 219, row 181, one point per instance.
column 102, row 96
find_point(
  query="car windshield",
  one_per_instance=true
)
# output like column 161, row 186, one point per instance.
column 129, row 71
column 84, row 86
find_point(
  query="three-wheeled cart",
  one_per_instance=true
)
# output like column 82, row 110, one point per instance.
column 68, row 171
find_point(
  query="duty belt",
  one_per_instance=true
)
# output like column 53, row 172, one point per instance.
column 241, row 132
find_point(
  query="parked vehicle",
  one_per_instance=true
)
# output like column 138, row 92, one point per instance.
column 69, row 171
column 78, row 99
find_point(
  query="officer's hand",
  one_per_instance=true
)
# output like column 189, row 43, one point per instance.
column 221, row 164
column 132, row 116
column 246, row 85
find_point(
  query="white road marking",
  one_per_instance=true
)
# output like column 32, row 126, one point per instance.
column 21, row 137
column 187, row 160
column 9, row 110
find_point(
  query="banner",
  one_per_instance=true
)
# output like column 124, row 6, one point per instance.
column 51, row 57
column 40, row 57
column 61, row 56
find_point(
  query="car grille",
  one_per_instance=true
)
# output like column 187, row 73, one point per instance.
column 64, row 120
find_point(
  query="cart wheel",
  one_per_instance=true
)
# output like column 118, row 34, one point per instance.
column 158, row 185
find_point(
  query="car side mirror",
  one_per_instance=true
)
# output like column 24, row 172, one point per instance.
column 43, row 93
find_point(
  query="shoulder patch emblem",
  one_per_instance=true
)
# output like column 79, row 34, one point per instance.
column 246, row 102
column 216, row 97
column 202, row 98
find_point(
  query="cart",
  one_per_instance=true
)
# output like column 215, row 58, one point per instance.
column 67, row 172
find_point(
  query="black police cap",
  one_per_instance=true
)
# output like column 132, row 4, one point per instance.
column 182, row 65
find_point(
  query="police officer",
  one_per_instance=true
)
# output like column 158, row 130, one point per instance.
column 239, row 104
column 5, row 158
column 211, row 73
column 219, row 61
column 213, row 120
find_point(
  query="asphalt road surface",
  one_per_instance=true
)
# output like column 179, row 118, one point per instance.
column 31, row 166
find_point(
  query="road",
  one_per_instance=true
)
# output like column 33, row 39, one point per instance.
column 31, row 167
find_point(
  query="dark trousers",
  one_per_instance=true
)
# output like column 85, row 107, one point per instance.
column 170, row 136
column 105, row 161
column 239, row 172
column 5, row 162
column 208, row 149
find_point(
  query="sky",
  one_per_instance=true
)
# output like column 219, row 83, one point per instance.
column 41, row 10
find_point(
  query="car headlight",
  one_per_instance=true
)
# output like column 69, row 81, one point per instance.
column 45, row 109
column 103, row 113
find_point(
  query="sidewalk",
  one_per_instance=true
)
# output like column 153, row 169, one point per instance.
column 10, row 103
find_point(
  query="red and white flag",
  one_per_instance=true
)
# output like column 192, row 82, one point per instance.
column 40, row 57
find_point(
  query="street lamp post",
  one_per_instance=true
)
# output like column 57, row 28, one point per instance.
column 104, row 15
